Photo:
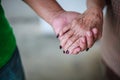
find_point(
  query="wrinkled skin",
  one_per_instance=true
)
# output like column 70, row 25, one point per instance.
column 77, row 32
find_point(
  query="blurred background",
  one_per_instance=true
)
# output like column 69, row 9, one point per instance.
column 39, row 49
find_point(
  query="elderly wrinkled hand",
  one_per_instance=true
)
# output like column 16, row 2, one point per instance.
column 82, row 32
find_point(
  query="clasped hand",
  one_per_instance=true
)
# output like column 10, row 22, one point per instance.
column 78, row 32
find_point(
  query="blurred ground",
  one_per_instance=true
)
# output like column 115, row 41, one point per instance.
column 41, row 57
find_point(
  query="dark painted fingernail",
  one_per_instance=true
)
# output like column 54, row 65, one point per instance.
column 87, row 49
column 63, row 51
column 60, row 47
column 67, row 52
column 57, row 36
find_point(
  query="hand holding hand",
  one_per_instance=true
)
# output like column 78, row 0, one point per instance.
column 63, row 19
column 82, row 32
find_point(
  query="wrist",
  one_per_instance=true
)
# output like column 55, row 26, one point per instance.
column 95, row 4
column 55, row 16
column 95, row 10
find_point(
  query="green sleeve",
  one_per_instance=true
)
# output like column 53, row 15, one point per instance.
column 7, row 39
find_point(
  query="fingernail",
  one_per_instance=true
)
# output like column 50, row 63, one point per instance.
column 57, row 36
column 67, row 52
column 77, row 52
column 87, row 49
column 63, row 51
column 60, row 47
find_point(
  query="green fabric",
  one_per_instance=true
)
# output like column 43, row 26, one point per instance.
column 7, row 39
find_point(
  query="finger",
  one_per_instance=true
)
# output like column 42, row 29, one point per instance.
column 65, row 38
column 90, row 37
column 64, row 30
column 76, row 50
column 95, row 33
column 70, row 42
column 83, row 43
column 73, row 46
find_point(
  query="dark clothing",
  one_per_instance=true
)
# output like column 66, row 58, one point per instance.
column 13, row 69
column 7, row 39
column 111, row 38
